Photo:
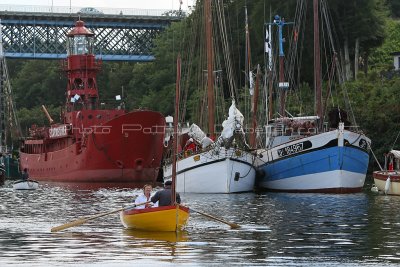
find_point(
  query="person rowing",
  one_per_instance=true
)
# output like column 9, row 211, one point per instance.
column 164, row 196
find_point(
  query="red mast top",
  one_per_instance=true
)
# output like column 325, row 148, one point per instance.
column 80, row 29
column 81, row 68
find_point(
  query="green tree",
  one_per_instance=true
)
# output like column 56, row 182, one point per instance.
column 394, row 6
column 381, row 58
column 39, row 82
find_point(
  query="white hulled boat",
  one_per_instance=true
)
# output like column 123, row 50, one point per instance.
column 25, row 185
column 221, row 168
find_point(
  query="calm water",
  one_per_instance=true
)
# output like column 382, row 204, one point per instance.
column 278, row 229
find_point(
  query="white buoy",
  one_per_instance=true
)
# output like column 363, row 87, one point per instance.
column 374, row 188
column 387, row 185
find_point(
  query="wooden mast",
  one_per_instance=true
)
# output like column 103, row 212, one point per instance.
column 210, row 67
column 282, row 104
column 283, row 86
column 249, row 74
column 317, row 66
column 253, row 140
column 176, row 120
column 270, row 76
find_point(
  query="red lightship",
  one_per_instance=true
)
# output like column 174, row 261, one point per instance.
column 93, row 144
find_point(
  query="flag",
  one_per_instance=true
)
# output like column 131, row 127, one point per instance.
column 268, row 49
column 267, row 42
column 251, row 83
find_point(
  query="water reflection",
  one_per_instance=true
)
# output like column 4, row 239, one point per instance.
column 157, row 236
column 276, row 229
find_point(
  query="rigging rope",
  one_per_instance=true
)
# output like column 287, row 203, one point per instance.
column 340, row 71
column 395, row 140
column 227, row 52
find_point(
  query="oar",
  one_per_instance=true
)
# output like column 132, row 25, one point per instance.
column 83, row 220
column 232, row 225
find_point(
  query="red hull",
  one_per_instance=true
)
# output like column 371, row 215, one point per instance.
column 126, row 149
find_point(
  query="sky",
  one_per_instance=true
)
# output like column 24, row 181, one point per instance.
column 137, row 4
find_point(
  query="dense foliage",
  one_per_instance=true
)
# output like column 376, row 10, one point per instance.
column 374, row 95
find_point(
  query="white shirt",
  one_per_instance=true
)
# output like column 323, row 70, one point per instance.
column 142, row 199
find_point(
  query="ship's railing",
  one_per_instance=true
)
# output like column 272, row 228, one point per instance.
column 96, row 65
column 5, row 149
column 103, row 105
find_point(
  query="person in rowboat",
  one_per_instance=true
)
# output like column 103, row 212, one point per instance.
column 25, row 175
column 145, row 198
column 164, row 196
